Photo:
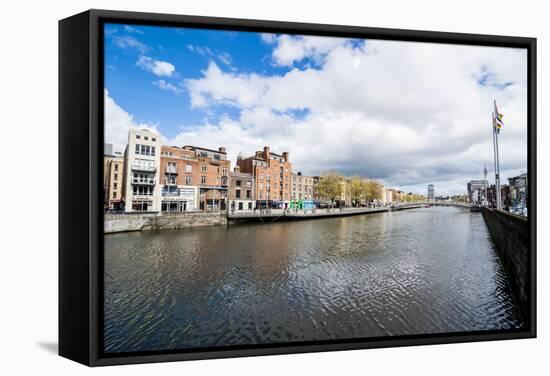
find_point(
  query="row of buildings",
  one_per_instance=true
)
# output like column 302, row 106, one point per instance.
column 150, row 176
column 513, row 194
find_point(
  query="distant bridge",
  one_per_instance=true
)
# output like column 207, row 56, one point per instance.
column 425, row 204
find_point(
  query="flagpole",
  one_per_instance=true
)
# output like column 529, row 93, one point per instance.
column 497, row 162
column 499, row 198
column 495, row 156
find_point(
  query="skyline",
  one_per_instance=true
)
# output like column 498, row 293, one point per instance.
column 426, row 122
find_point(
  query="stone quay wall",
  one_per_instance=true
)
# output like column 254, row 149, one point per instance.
column 510, row 234
column 114, row 223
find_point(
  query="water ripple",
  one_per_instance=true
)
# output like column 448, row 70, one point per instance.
column 412, row 272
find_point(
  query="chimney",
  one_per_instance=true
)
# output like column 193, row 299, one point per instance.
column 221, row 149
column 285, row 156
column 266, row 153
column 299, row 173
column 237, row 169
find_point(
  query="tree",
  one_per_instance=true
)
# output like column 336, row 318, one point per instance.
column 372, row 190
column 356, row 190
column 330, row 186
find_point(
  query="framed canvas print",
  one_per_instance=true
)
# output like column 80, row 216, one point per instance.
column 235, row 187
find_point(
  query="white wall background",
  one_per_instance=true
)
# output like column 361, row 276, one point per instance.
column 28, row 274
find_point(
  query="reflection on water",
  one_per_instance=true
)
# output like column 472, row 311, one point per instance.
column 419, row 271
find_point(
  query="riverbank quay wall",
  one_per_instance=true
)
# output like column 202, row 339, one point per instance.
column 277, row 215
column 510, row 234
column 114, row 223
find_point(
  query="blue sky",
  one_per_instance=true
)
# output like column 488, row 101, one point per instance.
column 189, row 51
column 404, row 113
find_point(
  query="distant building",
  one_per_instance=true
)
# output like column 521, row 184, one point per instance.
column 142, row 162
column 113, row 178
column 518, row 189
column 387, row 196
column 272, row 177
column 431, row 192
column 302, row 187
column 241, row 190
column 505, row 195
column 476, row 191
column 315, row 183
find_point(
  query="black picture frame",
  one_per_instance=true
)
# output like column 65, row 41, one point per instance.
column 80, row 169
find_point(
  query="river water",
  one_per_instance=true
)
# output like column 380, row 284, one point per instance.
column 420, row 271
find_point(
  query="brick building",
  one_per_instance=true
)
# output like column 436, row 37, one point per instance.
column 179, row 178
column 272, row 177
column 213, row 176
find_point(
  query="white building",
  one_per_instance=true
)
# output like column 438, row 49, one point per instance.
column 302, row 187
column 387, row 196
column 142, row 162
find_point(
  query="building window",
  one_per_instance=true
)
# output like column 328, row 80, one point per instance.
column 115, row 177
column 203, row 179
column 116, row 166
column 224, row 180
column 238, row 193
column 248, row 184
column 238, row 183
column 248, row 194
column 153, row 151
column 115, row 185
column 171, row 168
column 114, row 194
column 137, row 149
column 153, row 139
column 224, row 171
column 145, row 138
column 249, row 206
column 188, row 180
column 170, row 179
column 217, row 157
column 203, row 154
column 188, row 168
column 140, row 190
column 203, row 168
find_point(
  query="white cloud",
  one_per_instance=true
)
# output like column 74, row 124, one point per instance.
column 118, row 122
column 132, row 29
column 406, row 113
column 268, row 38
column 204, row 51
column 128, row 41
column 162, row 84
column 291, row 49
column 159, row 68
column 225, row 58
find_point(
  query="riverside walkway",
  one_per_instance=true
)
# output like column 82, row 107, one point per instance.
column 272, row 215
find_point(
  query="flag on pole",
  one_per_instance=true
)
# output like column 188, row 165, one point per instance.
column 497, row 118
